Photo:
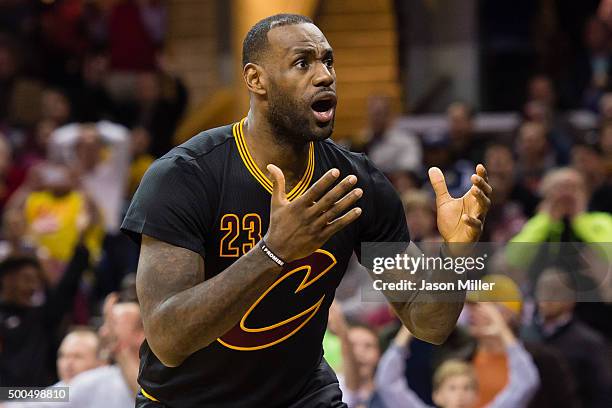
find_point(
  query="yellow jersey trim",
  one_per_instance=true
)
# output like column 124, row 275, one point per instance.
column 149, row 396
column 252, row 167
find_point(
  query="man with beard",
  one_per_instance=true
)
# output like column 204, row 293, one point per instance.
column 240, row 257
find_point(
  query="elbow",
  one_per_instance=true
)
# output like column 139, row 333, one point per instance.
column 163, row 343
column 432, row 335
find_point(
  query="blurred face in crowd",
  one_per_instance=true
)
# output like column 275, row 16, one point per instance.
column 297, row 83
column 457, row 391
column 366, row 349
column 554, row 295
column 566, row 188
column 379, row 113
column 18, row 287
column 420, row 215
column 532, row 143
column 77, row 353
column 57, row 179
column 500, row 167
column 122, row 328
column 459, row 122
column 55, row 106
column 541, row 89
column 89, row 147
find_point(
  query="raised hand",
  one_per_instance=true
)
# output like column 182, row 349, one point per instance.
column 299, row 227
column 461, row 219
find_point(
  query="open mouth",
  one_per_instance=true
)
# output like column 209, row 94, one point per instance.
column 324, row 107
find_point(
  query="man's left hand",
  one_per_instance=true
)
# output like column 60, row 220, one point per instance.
column 460, row 220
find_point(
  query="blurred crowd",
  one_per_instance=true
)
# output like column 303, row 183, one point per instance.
column 534, row 344
column 87, row 102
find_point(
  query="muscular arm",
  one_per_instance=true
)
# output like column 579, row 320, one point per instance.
column 182, row 312
column 425, row 315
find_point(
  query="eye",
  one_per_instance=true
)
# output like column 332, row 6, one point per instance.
column 329, row 63
column 301, row 63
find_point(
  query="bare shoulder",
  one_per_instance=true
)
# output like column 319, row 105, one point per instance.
column 164, row 270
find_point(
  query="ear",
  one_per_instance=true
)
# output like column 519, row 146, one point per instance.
column 255, row 78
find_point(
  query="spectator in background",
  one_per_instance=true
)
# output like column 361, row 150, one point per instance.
column 464, row 144
column 542, row 107
column 90, row 99
column 534, row 155
column 78, row 353
column 594, row 66
column 437, row 152
column 56, row 214
column 512, row 202
column 16, row 90
column 562, row 214
column 160, row 102
column 584, row 348
column 390, row 148
column 55, row 106
column 28, row 326
column 588, row 160
column 455, row 383
column 121, row 335
column 419, row 208
column 99, row 154
column 360, row 354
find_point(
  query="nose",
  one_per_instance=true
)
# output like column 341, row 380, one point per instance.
column 324, row 76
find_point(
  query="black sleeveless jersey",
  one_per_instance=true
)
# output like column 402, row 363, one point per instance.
column 208, row 195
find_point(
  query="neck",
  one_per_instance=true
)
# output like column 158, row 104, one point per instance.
column 491, row 345
column 266, row 147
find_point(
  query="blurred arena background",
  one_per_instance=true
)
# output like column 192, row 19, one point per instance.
column 92, row 91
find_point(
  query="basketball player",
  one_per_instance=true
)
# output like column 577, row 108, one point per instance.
column 247, row 229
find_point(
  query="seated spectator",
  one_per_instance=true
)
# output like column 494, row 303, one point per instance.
column 28, row 325
column 437, row 153
column 588, row 160
column 463, row 141
column 456, row 383
column 562, row 214
column 78, row 353
column 57, row 215
column 534, row 155
column 593, row 68
column 121, row 337
column 511, row 202
column 360, row 354
column 419, row 208
column 584, row 348
column 390, row 148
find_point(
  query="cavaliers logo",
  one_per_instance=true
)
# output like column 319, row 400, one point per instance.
column 246, row 338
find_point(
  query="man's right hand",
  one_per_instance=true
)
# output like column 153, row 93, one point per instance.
column 299, row 227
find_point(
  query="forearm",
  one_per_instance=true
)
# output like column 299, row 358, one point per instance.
column 430, row 315
column 209, row 309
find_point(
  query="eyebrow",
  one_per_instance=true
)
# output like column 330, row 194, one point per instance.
column 328, row 51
